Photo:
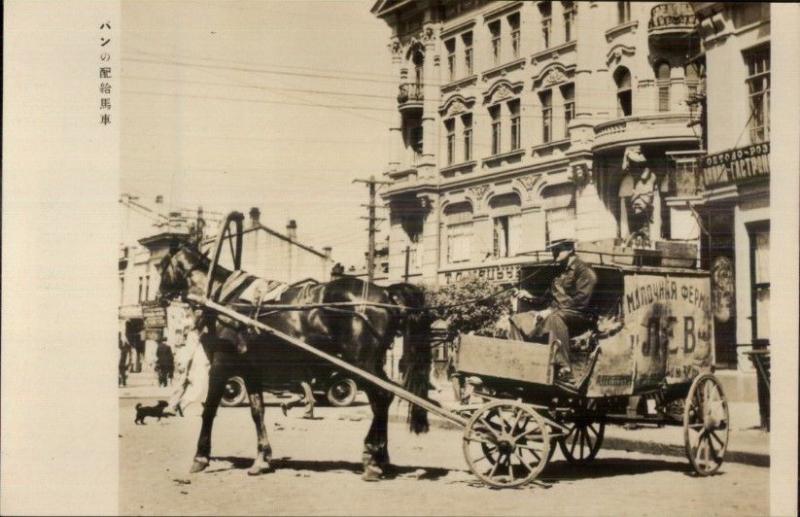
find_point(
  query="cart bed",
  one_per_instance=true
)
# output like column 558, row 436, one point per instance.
column 505, row 359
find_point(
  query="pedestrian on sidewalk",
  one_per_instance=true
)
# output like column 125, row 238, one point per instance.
column 165, row 362
column 306, row 399
column 124, row 360
column 192, row 384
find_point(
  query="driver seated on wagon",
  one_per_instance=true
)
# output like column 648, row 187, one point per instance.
column 564, row 309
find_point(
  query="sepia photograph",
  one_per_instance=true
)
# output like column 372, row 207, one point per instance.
column 415, row 257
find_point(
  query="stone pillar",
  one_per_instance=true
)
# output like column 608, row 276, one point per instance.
column 588, row 91
column 533, row 229
column 594, row 220
column 431, row 78
column 396, row 144
column 429, row 244
column 482, row 238
column 398, row 240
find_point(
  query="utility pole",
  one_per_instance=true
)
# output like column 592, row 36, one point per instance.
column 372, row 183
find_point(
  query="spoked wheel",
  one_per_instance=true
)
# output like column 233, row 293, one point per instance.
column 506, row 444
column 706, row 424
column 583, row 440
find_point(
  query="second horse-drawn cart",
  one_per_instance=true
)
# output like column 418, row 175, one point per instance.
column 648, row 360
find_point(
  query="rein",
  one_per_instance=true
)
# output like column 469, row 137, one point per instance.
column 361, row 305
column 306, row 307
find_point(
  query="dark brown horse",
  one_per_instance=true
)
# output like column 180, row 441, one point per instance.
column 359, row 335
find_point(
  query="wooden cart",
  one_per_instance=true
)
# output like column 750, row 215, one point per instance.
column 651, row 364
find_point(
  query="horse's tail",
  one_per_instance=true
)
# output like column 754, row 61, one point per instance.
column 415, row 364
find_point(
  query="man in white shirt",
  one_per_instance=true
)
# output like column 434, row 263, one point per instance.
column 193, row 367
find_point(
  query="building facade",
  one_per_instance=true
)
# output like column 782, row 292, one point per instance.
column 735, row 172
column 519, row 123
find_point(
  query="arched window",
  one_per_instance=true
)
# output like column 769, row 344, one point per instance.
column 507, row 219
column 692, row 75
column 624, row 93
column 458, row 218
column 662, row 80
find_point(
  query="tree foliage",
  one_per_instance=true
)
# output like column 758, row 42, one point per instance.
column 480, row 312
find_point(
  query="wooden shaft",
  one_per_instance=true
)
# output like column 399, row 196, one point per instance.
column 391, row 387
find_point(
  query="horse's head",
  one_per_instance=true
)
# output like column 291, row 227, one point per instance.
column 182, row 271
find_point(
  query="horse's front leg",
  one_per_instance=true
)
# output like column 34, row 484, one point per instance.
column 264, row 450
column 216, row 387
column 376, row 443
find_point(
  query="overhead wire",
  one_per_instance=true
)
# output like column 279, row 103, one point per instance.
column 259, row 64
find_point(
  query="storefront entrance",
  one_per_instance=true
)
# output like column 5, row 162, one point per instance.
column 718, row 258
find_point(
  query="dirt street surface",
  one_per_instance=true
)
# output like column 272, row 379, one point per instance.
column 318, row 473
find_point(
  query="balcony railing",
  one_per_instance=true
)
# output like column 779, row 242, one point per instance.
column 735, row 166
column 410, row 92
column 643, row 128
column 671, row 18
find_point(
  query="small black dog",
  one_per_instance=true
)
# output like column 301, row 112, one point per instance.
column 156, row 411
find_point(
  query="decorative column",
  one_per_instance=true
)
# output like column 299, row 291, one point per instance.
column 482, row 225
column 396, row 131
column 398, row 241
column 429, row 244
column 594, row 220
column 534, row 223
column 533, row 229
column 587, row 92
column 482, row 238
column 431, row 72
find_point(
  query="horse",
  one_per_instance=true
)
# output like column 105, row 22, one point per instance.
column 360, row 336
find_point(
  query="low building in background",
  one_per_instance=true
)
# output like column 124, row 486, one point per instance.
column 265, row 253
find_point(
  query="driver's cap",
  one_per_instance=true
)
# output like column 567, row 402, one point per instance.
column 561, row 248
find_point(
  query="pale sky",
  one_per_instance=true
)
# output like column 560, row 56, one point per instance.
column 276, row 104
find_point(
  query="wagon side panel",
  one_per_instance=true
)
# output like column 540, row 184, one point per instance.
column 668, row 325
column 612, row 375
column 505, row 359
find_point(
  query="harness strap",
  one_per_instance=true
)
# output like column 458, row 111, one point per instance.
column 232, row 284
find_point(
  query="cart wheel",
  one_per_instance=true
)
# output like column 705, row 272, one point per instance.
column 583, row 440
column 706, row 424
column 506, row 444
column 235, row 392
column 342, row 392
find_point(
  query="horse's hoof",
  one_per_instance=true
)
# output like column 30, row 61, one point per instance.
column 198, row 465
column 259, row 468
column 372, row 473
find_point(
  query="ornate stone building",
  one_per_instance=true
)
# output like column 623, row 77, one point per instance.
column 519, row 123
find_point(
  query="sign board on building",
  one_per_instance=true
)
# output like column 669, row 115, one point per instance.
column 736, row 165
column 155, row 317
column 498, row 274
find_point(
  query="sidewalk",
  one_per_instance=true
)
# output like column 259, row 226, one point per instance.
column 144, row 385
